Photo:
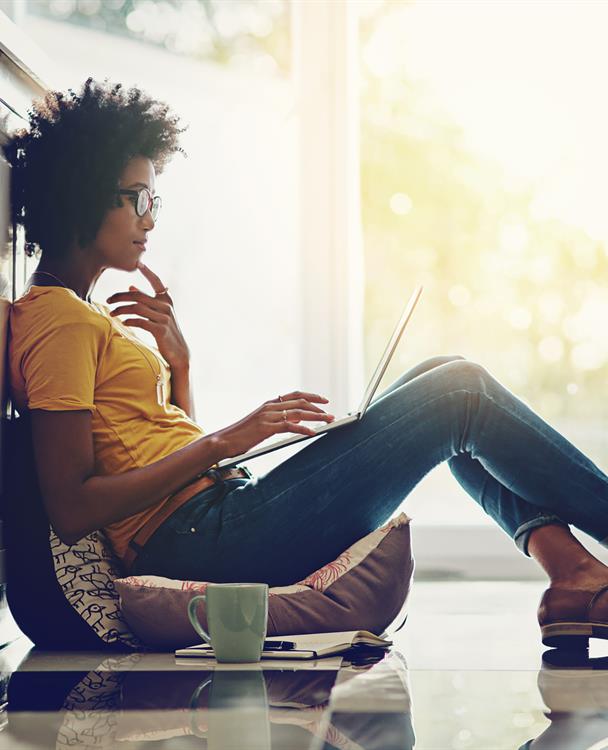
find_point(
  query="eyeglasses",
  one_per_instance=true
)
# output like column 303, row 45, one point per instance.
column 144, row 201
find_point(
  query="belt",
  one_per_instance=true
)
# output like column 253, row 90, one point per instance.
column 175, row 501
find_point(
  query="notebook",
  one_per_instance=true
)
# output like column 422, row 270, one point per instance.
column 305, row 646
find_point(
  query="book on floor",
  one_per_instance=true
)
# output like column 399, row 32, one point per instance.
column 304, row 646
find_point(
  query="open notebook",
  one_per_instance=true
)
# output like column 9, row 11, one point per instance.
column 306, row 646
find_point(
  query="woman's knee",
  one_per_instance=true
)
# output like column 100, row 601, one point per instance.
column 433, row 362
column 468, row 375
column 447, row 358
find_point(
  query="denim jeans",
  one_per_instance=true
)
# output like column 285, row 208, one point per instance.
column 280, row 527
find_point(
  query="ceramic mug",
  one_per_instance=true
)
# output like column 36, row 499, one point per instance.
column 237, row 614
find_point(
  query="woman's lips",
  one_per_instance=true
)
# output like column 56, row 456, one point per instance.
column 141, row 245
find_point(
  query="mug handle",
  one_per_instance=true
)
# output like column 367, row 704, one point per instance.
column 194, row 705
column 194, row 619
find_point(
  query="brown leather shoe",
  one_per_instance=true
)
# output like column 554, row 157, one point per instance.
column 568, row 618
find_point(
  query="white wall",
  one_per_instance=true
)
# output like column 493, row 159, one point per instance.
column 225, row 242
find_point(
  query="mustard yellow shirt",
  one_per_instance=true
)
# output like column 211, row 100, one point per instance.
column 68, row 354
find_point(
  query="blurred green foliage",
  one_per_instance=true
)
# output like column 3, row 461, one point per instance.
column 523, row 295
column 217, row 30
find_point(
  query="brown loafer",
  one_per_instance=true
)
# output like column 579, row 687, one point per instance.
column 568, row 618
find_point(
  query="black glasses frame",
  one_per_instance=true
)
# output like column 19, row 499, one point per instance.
column 153, row 205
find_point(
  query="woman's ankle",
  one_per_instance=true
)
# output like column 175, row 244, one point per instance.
column 564, row 559
column 586, row 575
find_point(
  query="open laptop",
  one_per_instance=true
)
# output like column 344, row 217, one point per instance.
column 365, row 401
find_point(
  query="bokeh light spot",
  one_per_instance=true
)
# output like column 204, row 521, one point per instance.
column 62, row 8
column 401, row 204
column 587, row 356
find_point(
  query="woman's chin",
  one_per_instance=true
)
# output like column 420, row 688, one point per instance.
column 132, row 265
column 128, row 263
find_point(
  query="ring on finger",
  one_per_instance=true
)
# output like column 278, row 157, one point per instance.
column 164, row 290
column 284, row 416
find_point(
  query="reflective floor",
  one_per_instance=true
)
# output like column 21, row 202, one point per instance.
column 467, row 671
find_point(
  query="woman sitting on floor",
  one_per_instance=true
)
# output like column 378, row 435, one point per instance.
column 116, row 443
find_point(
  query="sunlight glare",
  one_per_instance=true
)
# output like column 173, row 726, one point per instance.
column 551, row 348
column 459, row 295
column 520, row 318
column 525, row 81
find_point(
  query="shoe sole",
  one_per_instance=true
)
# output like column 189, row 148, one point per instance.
column 572, row 635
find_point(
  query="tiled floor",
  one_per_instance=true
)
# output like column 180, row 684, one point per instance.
column 466, row 672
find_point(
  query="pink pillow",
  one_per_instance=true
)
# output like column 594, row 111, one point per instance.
column 366, row 587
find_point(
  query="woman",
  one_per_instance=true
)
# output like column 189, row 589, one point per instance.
column 116, row 444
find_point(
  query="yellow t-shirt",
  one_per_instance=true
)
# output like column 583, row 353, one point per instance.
column 68, row 354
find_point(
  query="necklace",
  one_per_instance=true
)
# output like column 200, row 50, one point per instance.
column 160, row 385
column 52, row 275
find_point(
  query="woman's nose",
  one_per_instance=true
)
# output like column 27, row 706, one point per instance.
column 147, row 221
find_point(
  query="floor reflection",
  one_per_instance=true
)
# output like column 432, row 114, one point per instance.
column 364, row 706
column 127, row 702
column 574, row 688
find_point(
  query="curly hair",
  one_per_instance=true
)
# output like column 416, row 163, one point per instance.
column 66, row 166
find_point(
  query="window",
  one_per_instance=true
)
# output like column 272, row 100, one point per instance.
column 483, row 168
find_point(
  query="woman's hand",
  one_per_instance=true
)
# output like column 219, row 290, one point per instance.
column 284, row 414
column 157, row 316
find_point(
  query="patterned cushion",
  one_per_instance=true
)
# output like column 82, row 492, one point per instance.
column 86, row 572
column 60, row 596
column 367, row 586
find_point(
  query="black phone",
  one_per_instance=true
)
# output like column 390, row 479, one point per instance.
column 279, row 645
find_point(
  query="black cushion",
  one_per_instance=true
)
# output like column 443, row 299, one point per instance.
column 34, row 595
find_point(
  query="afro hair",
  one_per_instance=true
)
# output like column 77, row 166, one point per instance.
column 66, row 166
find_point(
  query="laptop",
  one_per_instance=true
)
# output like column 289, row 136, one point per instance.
column 365, row 401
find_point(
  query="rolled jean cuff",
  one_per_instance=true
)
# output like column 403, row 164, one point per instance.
column 522, row 535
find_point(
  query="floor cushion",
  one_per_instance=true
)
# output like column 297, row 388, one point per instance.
column 86, row 572
column 61, row 596
column 70, row 596
column 367, row 587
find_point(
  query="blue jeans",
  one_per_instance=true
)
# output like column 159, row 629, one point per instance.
column 280, row 527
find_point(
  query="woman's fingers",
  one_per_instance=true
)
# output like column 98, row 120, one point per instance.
column 292, row 427
column 136, row 296
column 300, row 403
column 294, row 415
column 138, row 309
column 313, row 397
column 155, row 281
column 297, row 407
column 147, row 325
column 150, row 275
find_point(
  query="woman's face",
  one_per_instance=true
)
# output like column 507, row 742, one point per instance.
column 120, row 241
